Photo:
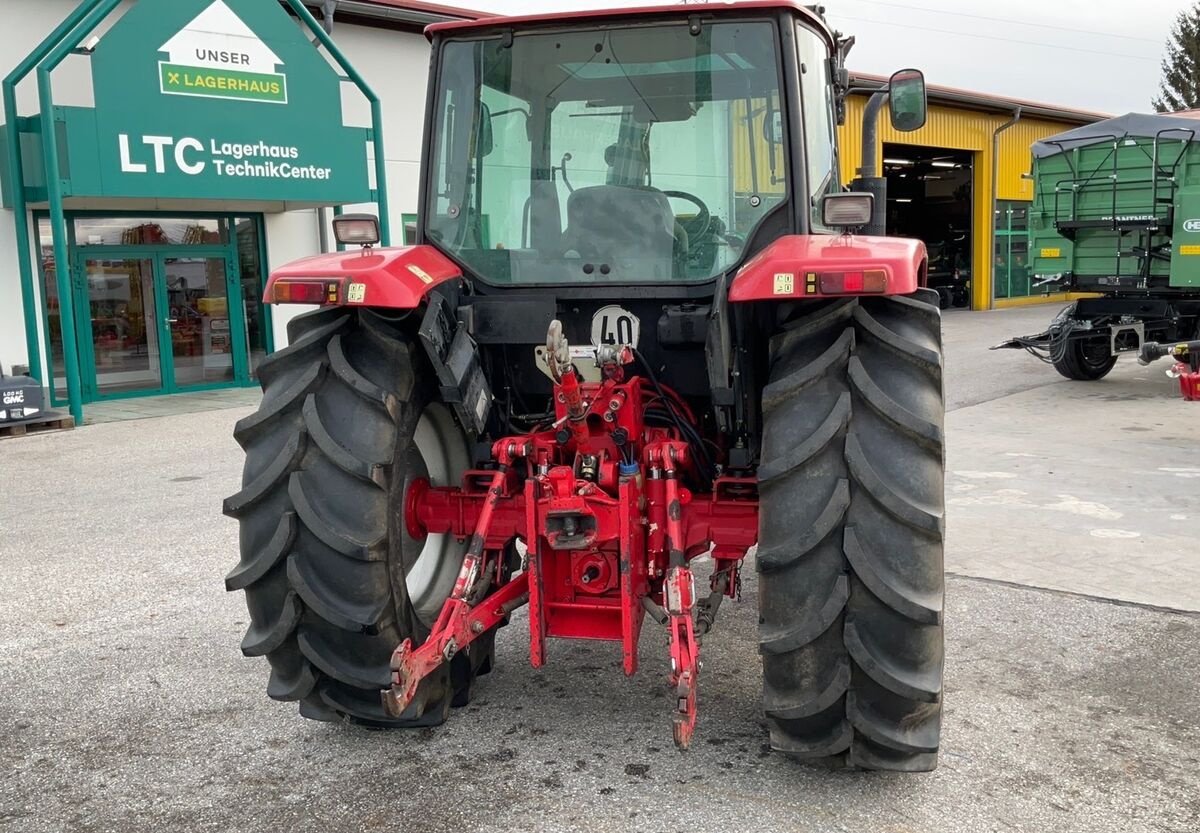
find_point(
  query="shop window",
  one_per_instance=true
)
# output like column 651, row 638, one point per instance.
column 153, row 303
column 151, row 231
column 1010, row 273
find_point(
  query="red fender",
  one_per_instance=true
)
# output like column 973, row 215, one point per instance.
column 396, row 278
column 829, row 266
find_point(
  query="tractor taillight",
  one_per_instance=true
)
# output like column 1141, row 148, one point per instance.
column 852, row 283
column 305, row 291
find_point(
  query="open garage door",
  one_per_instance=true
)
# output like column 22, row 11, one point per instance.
column 929, row 196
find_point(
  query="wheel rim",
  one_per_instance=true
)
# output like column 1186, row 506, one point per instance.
column 1095, row 355
column 438, row 453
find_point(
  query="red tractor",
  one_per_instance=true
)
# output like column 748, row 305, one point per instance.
column 636, row 334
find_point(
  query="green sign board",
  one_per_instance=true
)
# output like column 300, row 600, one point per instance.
column 213, row 100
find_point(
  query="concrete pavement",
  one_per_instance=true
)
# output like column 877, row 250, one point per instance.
column 1087, row 487
column 126, row 706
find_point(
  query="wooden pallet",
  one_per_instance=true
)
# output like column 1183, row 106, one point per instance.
column 50, row 421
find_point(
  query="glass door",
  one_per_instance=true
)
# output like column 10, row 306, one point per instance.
column 194, row 295
column 1011, row 278
column 125, row 337
column 160, row 304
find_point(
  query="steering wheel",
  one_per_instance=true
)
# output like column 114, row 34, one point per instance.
column 697, row 227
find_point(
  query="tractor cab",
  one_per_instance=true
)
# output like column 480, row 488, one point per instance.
column 662, row 148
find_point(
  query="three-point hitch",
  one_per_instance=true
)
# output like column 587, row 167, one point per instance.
column 597, row 498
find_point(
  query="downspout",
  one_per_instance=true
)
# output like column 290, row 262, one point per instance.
column 991, row 234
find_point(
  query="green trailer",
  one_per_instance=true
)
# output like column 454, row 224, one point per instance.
column 1116, row 212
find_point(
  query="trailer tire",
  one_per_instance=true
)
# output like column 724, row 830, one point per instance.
column 1085, row 360
column 851, row 532
column 333, row 582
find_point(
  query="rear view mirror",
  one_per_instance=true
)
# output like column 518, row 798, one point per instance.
column 772, row 127
column 906, row 100
column 484, row 140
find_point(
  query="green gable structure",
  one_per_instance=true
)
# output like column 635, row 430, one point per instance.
column 146, row 206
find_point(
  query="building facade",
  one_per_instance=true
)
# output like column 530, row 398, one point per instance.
column 169, row 235
column 172, row 224
column 961, row 183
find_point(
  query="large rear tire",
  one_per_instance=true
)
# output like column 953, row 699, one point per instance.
column 1085, row 360
column 349, row 417
column 851, row 530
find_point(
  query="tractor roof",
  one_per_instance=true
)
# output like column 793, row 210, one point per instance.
column 633, row 13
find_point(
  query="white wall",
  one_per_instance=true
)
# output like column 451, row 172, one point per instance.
column 289, row 236
column 395, row 64
column 12, row 318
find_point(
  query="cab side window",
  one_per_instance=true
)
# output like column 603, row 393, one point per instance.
column 819, row 140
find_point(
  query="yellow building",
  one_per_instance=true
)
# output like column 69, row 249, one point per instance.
column 961, row 183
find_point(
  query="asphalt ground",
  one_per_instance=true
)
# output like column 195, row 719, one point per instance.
column 126, row 706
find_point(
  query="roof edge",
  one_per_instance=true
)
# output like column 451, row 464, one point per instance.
column 414, row 13
column 970, row 99
column 657, row 10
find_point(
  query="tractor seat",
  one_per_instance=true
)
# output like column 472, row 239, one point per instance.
column 613, row 223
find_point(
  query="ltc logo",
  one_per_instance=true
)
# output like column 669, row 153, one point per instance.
column 1191, row 225
column 219, row 56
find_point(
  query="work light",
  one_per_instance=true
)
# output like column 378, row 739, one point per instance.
column 846, row 211
column 356, row 229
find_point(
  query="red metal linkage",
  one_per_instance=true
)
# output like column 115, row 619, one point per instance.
column 633, row 570
column 461, row 621
column 608, row 528
column 680, row 592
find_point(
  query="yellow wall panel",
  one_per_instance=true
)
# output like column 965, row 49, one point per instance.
column 1015, row 158
column 966, row 130
column 764, row 177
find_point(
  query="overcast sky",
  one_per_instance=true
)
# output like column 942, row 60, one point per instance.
column 1090, row 54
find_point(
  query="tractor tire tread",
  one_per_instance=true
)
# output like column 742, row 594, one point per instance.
column 834, row 423
column 851, row 529
column 785, row 555
column 327, row 604
column 333, row 531
column 262, row 640
column 279, row 469
column 368, row 470
column 262, row 560
column 271, row 410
